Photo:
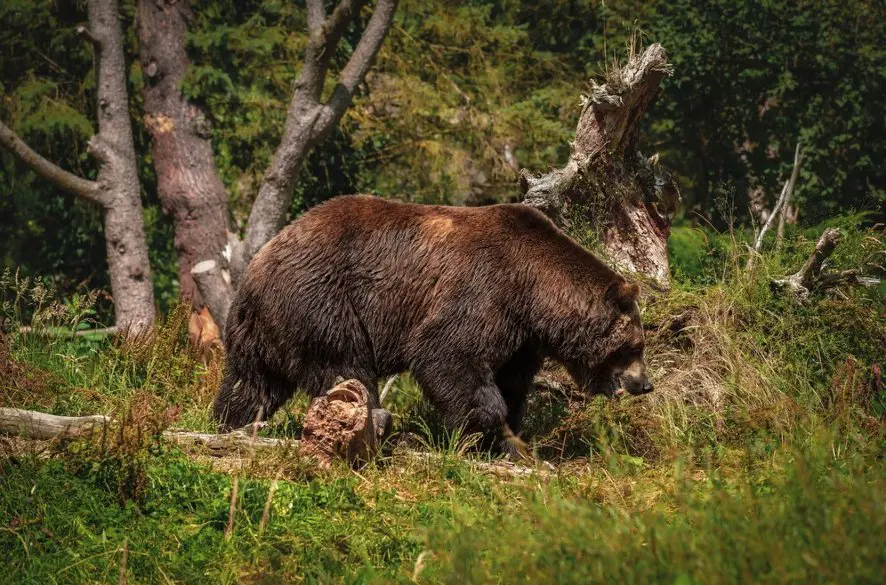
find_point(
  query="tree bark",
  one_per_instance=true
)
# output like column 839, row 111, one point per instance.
column 607, row 185
column 308, row 120
column 126, row 245
column 116, row 188
column 210, row 278
column 187, row 181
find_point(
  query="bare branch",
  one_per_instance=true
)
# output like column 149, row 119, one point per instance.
column 785, row 194
column 316, row 14
column 87, row 35
column 358, row 65
column 307, row 120
column 343, row 13
column 321, row 47
column 370, row 42
column 54, row 174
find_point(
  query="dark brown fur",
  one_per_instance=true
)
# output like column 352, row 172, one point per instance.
column 470, row 300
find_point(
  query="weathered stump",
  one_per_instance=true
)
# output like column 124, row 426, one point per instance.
column 608, row 186
column 340, row 425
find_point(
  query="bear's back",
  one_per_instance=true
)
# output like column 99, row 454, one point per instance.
column 365, row 233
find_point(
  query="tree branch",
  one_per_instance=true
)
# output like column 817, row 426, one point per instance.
column 54, row 174
column 307, row 120
column 785, row 194
column 324, row 38
column 316, row 14
column 811, row 276
column 343, row 13
column 86, row 34
column 354, row 72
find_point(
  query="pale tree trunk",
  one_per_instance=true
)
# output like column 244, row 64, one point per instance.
column 116, row 188
column 187, row 182
column 309, row 120
column 607, row 185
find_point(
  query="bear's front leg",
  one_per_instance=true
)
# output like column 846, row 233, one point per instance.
column 468, row 399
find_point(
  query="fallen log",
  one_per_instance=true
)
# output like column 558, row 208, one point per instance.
column 40, row 426
column 500, row 468
column 44, row 427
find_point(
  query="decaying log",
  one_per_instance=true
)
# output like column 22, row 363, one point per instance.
column 39, row 426
column 811, row 277
column 608, row 186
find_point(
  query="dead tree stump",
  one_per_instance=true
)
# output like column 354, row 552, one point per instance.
column 607, row 185
column 340, row 425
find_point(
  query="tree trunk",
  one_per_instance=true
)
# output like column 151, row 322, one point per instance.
column 608, row 186
column 187, row 182
column 125, row 240
column 116, row 188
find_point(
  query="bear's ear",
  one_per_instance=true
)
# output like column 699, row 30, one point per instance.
column 623, row 295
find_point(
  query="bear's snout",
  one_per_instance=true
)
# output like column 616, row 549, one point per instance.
column 634, row 379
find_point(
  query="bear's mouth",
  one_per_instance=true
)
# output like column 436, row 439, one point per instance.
column 609, row 386
column 618, row 387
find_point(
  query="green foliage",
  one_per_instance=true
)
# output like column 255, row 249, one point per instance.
column 245, row 62
column 802, row 518
column 799, row 522
column 753, row 78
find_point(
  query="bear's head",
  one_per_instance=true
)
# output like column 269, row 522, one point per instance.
column 616, row 364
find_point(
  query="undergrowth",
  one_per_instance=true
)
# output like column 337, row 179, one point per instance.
column 757, row 459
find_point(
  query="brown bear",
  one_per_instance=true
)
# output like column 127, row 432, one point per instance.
column 469, row 300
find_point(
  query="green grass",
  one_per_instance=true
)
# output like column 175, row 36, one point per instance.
column 758, row 459
column 815, row 514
